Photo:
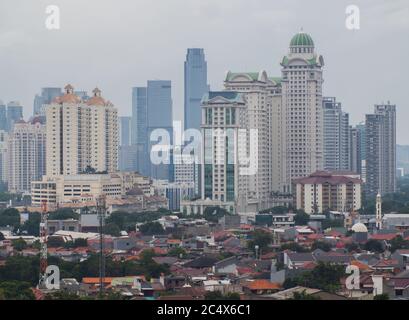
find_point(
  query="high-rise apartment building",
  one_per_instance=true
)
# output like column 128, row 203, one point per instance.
column 26, row 154
column 124, row 131
column 336, row 136
column 260, row 91
column 301, row 111
column 81, row 136
column 380, row 129
column 223, row 115
column 355, row 152
column 4, row 161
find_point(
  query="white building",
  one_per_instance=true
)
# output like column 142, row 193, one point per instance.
column 322, row 191
column 81, row 134
column 26, row 154
column 224, row 113
column 3, row 156
column 259, row 91
column 301, row 111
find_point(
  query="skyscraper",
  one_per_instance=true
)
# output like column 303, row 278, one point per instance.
column 223, row 114
column 336, row 136
column 381, row 146
column 3, row 116
column 47, row 95
column 124, row 131
column 14, row 113
column 195, row 86
column 81, row 135
column 27, row 155
column 355, row 150
column 301, row 111
column 159, row 115
column 139, row 131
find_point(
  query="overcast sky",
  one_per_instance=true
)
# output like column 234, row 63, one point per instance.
column 118, row 44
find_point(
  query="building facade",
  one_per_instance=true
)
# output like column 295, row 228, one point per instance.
column 380, row 130
column 4, row 160
column 81, row 135
column 336, row 136
column 14, row 114
column 224, row 113
column 46, row 97
column 301, row 111
column 26, row 155
column 323, row 190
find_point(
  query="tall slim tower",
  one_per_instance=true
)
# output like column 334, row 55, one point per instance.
column 301, row 112
column 195, row 86
column 380, row 135
column 336, row 136
column 378, row 211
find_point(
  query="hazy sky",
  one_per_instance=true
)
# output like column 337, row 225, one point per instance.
column 117, row 44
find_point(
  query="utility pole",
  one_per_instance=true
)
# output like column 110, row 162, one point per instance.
column 43, row 243
column 101, row 210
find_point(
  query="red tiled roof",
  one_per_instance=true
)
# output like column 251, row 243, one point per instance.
column 262, row 284
column 387, row 237
column 321, row 177
column 95, row 280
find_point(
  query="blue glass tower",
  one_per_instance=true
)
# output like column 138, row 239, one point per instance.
column 195, row 86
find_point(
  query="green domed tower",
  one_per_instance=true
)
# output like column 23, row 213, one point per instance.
column 301, row 43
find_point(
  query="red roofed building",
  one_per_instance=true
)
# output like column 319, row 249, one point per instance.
column 324, row 190
column 261, row 286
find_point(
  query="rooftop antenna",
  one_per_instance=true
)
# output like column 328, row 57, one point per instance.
column 101, row 211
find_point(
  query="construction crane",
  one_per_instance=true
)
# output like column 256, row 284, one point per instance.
column 43, row 242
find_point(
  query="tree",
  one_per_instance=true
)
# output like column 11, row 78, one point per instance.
column 301, row 218
column 374, row 246
column 19, row 244
column 293, row 246
column 1, row 237
column 218, row 295
column 398, row 243
column 32, row 225
column 324, row 246
column 55, row 242
column 177, row 252
column 213, row 214
column 304, row 296
column 63, row 214
column 151, row 228
column 112, row 229
column 10, row 217
column 260, row 238
column 383, row 296
column 16, row 290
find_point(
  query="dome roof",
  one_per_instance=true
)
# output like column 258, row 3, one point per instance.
column 301, row 39
column 359, row 227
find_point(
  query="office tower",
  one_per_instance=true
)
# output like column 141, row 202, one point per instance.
column 139, row 131
column 381, row 150
column 127, row 152
column 355, row 152
column 3, row 156
column 301, row 111
column 336, row 136
column 362, row 132
column 223, row 114
column 81, row 136
column 195, row 86
column 14, row 113
column 159, row 116
column 3, row 116
column 124, row 131
column 47, row 95
column 27, row 155
column 260, row 92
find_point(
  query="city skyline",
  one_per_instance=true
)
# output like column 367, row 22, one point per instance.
column 349, row 74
